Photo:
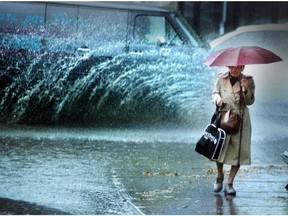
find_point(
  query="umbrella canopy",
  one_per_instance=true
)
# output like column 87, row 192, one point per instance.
column 243, row 55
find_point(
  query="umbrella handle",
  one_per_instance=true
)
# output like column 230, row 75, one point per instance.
column 242, row 87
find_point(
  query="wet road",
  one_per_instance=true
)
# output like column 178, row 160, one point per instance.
column 132, row 171
column 47, row 167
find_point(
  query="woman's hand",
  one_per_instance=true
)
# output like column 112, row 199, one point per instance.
column 220, row 101
column 244, row 84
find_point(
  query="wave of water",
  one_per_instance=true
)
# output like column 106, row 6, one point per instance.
column 59, row 89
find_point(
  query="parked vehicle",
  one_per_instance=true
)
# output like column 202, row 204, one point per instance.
column 285, row 156
column 285, row 159
column 244, row 33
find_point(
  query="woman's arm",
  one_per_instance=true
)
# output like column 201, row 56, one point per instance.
column 216, row 97
column 249, row 93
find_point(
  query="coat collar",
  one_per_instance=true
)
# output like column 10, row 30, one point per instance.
column 226, row 82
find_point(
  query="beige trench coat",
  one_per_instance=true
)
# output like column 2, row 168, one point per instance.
column 224, row 89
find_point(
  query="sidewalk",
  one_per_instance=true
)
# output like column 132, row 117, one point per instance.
column 176, row 180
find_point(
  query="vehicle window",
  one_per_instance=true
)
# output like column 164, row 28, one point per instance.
column 99, row 27
column 61, row 20
column 21, row 25
column 61, row 27
column 155, row 29
column 19, row 16
column 194, row 39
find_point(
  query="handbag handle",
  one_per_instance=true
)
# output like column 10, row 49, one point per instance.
column 216, row 117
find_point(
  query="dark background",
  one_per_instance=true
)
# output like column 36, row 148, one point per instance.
column 206, row 17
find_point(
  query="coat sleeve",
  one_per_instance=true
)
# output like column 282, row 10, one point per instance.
column 249, row 94
column 216, row 91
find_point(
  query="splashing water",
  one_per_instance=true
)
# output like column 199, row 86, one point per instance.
column 45, row 88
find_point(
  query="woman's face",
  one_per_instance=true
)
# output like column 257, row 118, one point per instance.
column 235, row 71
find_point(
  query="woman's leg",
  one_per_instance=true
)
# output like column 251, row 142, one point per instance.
column 218, row 185
column 229, row 190
column 233, row 172
column 220, row 170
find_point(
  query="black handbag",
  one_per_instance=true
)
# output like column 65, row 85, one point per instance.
column 211, row 142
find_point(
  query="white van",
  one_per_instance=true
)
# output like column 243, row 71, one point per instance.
column 97, row 62
column 110, row 28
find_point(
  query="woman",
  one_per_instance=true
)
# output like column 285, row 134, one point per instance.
column 231, row 88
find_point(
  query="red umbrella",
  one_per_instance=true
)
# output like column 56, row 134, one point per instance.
column 243, row 55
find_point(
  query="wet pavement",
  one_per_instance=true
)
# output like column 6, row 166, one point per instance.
column 132, row 171
column 183, row 183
